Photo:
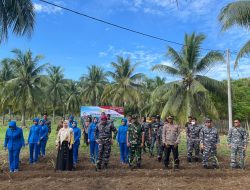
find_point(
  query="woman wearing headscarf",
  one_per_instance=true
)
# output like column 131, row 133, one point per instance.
column 44, row 132
column 92, row 141
column 86, row 128
column 34, row 141
column 14, row 141
column 77, row 136
column 64, row 145
column 122, row 140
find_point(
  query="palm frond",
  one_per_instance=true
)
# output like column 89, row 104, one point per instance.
column 209, row 60
column 166, row 69
column 236, row 13
column 245, row 50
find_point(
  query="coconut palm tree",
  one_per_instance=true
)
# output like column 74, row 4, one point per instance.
column 72, row 103
column 25, row 88
column 18, row 16
column 55, row 87
column 190, row 94
column 124, row 89
column 237, row 14
column 6, row 73
column 93, row 85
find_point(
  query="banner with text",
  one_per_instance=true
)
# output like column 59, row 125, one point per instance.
column 95, row 111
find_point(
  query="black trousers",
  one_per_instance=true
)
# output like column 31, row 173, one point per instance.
column 167, row 152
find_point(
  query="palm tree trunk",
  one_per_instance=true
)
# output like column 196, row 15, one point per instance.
column 3, row 119
column 54, row 112
column 63, row 111
column 9, row 114
column 23, row 118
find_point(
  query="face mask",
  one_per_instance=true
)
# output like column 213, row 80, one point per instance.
column 192, row 122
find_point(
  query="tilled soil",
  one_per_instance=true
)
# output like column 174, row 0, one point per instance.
column 117, row 176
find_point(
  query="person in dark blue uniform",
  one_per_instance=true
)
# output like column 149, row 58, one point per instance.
column 77, row 136
column 44, row 132
column 14, row 141
column 34, row 141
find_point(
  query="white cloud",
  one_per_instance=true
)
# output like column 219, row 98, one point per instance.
column 137, row 3
column 102, row 54
column 145, row 57
column 48, row 9
column 153, row 11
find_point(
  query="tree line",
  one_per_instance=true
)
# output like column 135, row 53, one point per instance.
column 25, row 89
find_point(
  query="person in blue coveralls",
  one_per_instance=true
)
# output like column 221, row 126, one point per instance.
column 121, row 138
column 34, row 141
column 92, row 140
column 14, row 141
column 77, row 137
column 44, row 131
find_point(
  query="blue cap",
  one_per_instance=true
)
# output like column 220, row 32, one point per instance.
column 36, row 119
column 12, row 124
column 125, row 120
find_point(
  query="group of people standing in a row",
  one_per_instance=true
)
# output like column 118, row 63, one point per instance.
column 133, row 137
column 37, row 140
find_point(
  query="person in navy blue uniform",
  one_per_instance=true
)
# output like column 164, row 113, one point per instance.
column 34, row 141
column 14, row 141
column 92, row 140
column 44, row 132
column 122, row 140
column 77, row 137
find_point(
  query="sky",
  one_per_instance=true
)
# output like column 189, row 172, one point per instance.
column 75, row 42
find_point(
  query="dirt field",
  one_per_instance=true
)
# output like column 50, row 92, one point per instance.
column 151, row 176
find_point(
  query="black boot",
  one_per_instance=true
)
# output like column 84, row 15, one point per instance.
column 215, row 167
column 105, row 166
column 98, row 167
column 205, row 166
column 159, row 159
column 176, row 164
column 189, row 159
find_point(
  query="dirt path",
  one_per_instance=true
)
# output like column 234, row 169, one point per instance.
column 151, row 176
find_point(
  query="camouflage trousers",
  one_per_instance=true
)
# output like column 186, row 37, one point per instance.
column 147, row 143
column 104, row 149
column 209, row 153
column 237, row 150
column 153, row 141
column 160, row 149
column 193, row 145
column 135, row 154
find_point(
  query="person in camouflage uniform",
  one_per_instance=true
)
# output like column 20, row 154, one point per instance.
column 103, row 134
column 135, row 142
column 193, row 141
column 237, row 141
column 209, row 140
column 47, row 122
column 147, row 135
column 156, row 123
column 171, row 137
